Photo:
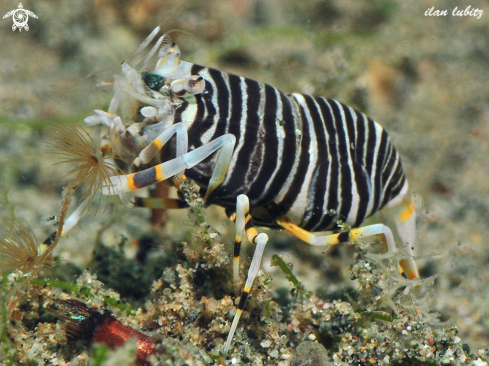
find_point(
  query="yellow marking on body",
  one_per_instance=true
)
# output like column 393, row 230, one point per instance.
column 158, row 173
column 130, row 182
column 232, row 217
column 247, row 218
column 247, row 289
column 236, row 259
column 238, row 312
column 407, row 213
column 237, row 239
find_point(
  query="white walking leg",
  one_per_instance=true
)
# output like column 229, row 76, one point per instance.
column 244, row 222
column 163, row 171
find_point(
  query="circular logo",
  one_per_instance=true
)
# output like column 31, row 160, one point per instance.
column 20, row 17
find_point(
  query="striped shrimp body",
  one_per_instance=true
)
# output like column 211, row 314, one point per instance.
column 282, row 161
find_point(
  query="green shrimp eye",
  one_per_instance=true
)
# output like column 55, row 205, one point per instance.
column 153, row 81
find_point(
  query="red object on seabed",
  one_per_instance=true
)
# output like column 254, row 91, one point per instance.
column 114, row 334
column 81, row 322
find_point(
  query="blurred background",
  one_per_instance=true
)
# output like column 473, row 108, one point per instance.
column 424, row 78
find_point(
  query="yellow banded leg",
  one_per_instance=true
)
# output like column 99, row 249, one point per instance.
column 405, row 220
column 163, row 171
column 339, row 238
column 347, row 236
column 245, row 223
column 157, row 144
column 242, row 209
column 238, row 236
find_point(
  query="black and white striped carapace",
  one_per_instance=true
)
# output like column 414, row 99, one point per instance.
column 279, row 160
